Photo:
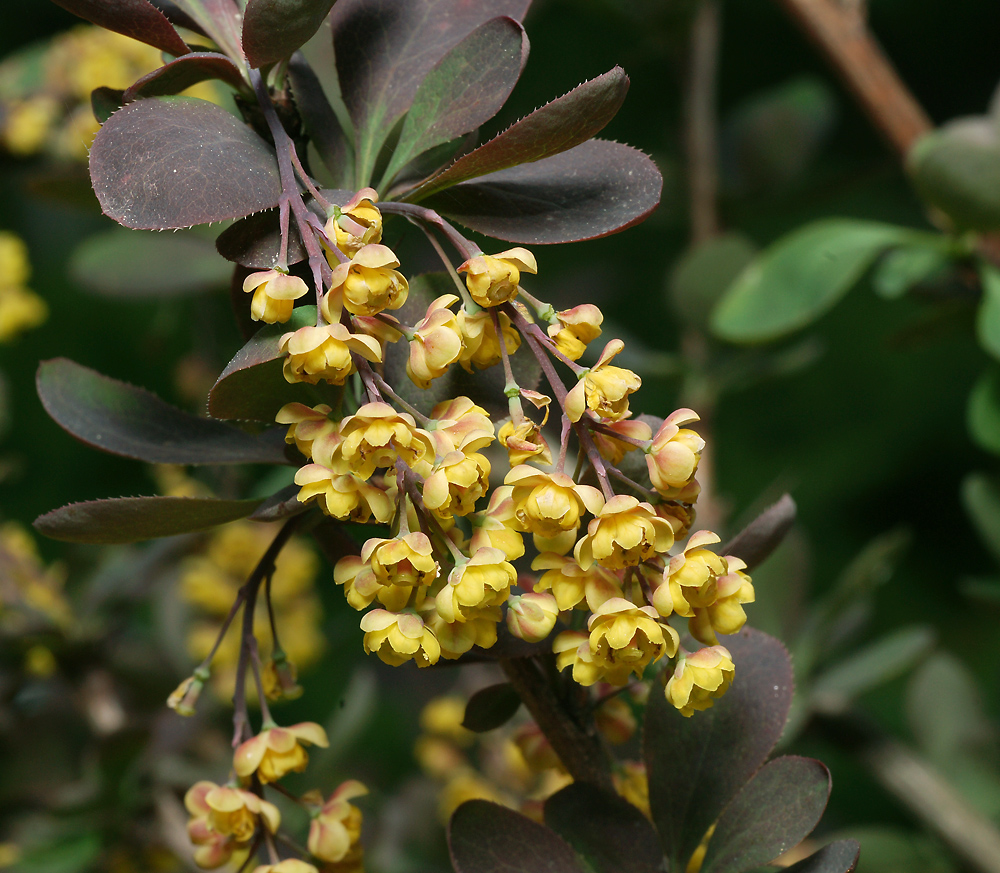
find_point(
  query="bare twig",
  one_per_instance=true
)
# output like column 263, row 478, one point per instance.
column 700, row 130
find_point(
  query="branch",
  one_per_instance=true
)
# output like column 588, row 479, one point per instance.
column 700, row 130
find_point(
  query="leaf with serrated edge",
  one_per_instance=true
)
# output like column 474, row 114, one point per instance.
column 558, row 126
column 273, row 29
column 491, row 707
column 485, row 837
column 764, row 534
column 466, row 88
column 605, row 829
column 590, row 191
column 187, row 70
column 171, row 162
column 839, row 857
column 385, row 48
column 696, row 765
column 138, row 19
column 134, row 423
column 776, row 810
column 131, row 519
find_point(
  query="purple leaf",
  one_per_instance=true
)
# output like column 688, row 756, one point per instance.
column 696, row 765
column 134, row 423
column 385, row 48
column 605, row 829
column 485, row 837
column 491, row 708
column 775, row 811
column 131, row 519
column 590, row 191
column 839, row 857
column 138, row 19
column 188, row 70
column 320, row 121
column 171, row 162
column 556, row 127
column 466, row 88
column 273, row 29
column 764, row 534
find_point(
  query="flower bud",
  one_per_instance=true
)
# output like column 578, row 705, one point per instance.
column 531, row 617
column 493, row 279
column 184, row 697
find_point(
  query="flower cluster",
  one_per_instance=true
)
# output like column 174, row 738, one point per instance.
column 20, row 308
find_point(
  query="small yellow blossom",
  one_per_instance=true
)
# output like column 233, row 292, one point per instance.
column 495, row 525
column 479, row 628
column 274, row 295
column 323, row 352
column 573, row 586
column 277, row 751
column 725, row 615
column 632, row 784
column 20, row 310
column 457, row 482
column 399, row 637
column 346, row 496
column 493, row 279
column 289, row 865
column 531, row 617
column 28, row 123
column 673, row 455
column 604, row 389
column 436, row 343
column 360, row 585
column 224, row 820
column 15, row 268
column 306, row 424
column 366, row 285
column 280, row 678
column 376, row 435
column 550, row 504
column 407, row 560
column 480, row 343
column 699, row 679
column 623, row 534
column 480, row 583
column 572, row 649
column 691, row 579
column 357, row 224
column 524, row 442
column 574, row 328
column 624, row 638
column 335, row 832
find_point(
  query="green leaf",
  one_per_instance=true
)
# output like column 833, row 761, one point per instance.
column 105, row 102
column 64, row 854
column 801, row 277
column 485, row 837
column 253, row 386
column 896, row 850
column 168, row 162
column 466, row 88
column 556, row 127
column 132, row 422
column 956, row 168
column 839, row 857
column 127, row 263
column 178, row 75
column 981, row 499
column 776, row 810
column 903, row 268
column 131, row 519
column 320, row 121
column 491, row 707
column 988, row 315
column 701, row 276
column 982, row 415
column 138, row 19
column 889, row 657
column 273, row 29
column 764, row 534
column 609, row 833
column 697, row 765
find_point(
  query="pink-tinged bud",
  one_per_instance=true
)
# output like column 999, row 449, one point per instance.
column 531, row 617
column 493, row 279
column 673, row 455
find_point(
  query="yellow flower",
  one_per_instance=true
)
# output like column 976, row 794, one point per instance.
column 572, row 648
column 573, row 586
column 407, row 560
column 680, row 516
column 15, row 268
column 357, row 224
column 280, row 678
column 531, row 617
column 399, row 637
column 480, row 583
column 495, row 526
column 624, row 638
column 358, row 579
column 673, row 455
column 20, row 310
column 576, row 327
column 524, row 442
column 184, row 697
column 493, row 279
column 604, row 389
column 460, row 425
column 550, row 504
column 306, row 424
column 224, row 820
column 289, row 865
column 691, row 578
column 699, row 679
column 458, row 481
column 277, row 751
column 443, row 717
column 632, row 784
column 346, row 496
column 28, row 123
column 480, row 343
column 335, row 831
column 725, row 615
column 376, row 435
column 624, row 533
column 479, row 628
column 324, row 352
column 436, row 343
column 274, row 295
column 366, row 285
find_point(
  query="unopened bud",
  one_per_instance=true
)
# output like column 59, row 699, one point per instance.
column 531, row 617
column 280, row 678
column 184, row 698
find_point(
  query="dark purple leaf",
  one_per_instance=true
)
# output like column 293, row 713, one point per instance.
column 176, row 16
column 491, row 707
column 105, row 102
column 593, row 190
column 775, row 811
column 171, row 162
column 764, row 534
column 485, row 837
column 255, row 241
column 134, row 423
column 139, row 265
column 385, row 48
column 320, row 121
column 273, row 29
column 188, row 70
column 280, row 505
column 218, row 19
column 466, row 88
column 252, row 387
column 131, row 519
column 697, row 765
column 604, row 828
column 138, row 19
column 839, row 857
column 556, row 127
